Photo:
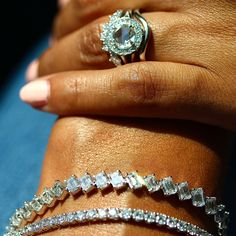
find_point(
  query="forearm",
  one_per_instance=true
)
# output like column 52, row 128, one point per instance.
column 186, row 151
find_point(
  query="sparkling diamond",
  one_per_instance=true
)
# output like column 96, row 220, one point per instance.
column 47, row 196
column 117, row 14
column 210, row 206
column 198, row 197
column 26, row 210
column 101, row 180
column 37, row 226
column 113, row 213
column 29, row 228
column 72, row 185
column 33, row 229
column 80, row 215
column 58, row 189
column 45, row 223
column 116, row 60
column 86, row 183
column 61, row 219
column 126, row 214
column 16, row 219
column 171, row 222
column 161, row 219
column 169, row 188
column 102, row 213
column 225, row 221
column 53, row 221
column 152, row 184
column 70, row 217
column 182, row 226
column 150, row 217
column 91, row 214
column 10, row 228
column 124, row 33
column 199, row 231
column 192, row 229
column 219, row 216
column 183, row 191
column 37, row 204
column 134, row 180
column 117, row 180
column 138, row 215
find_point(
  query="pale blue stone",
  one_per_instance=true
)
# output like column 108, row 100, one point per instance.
column 124, row 34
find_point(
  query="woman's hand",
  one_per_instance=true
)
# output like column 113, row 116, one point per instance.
column 190, row 72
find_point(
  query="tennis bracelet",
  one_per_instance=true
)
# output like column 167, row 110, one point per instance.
column 110, row 215
column 116, row 180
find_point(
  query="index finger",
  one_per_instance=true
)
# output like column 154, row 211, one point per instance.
column 78, row 13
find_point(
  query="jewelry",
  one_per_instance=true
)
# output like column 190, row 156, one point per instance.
column 125, row 37
column 110, row 214
column 116, row 180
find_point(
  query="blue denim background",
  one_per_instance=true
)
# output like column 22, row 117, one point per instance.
column 23, row 138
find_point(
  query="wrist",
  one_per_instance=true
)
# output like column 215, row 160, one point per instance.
column 180, row 149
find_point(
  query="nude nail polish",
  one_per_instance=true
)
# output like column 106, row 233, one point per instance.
column 36, row 93
column 32, row 71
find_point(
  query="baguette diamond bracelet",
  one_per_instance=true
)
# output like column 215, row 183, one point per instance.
column 111, row 215
column 116, row 180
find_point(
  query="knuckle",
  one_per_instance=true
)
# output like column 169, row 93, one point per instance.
column 90, row 45
column 75, row 88
column 139, row 85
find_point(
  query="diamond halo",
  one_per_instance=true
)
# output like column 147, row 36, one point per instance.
column 124, row 35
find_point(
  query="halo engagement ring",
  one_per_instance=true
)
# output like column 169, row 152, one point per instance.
column 125, row 37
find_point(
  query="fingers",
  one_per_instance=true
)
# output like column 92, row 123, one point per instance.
column 82, row 50
column 78, row 13
column 150, row 89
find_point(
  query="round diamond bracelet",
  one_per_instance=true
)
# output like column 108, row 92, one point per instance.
column 109, row 214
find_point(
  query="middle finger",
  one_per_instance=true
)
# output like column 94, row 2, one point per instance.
column 82, row 50
column 78, row 13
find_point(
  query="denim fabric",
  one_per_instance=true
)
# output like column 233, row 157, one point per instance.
column 23, row 138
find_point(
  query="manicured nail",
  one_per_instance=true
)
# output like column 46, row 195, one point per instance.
column 36, row 93
column 32, row 71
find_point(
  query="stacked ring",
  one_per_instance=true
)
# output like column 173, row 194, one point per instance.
column 125, row 37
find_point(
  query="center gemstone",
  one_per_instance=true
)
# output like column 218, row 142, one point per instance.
column 124, row 34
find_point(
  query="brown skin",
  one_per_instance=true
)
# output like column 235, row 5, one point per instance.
column 192, row 75
column 192, row 78
column 185, row 150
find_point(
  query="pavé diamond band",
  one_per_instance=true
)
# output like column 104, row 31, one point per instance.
column 110, row 214
column 125, row 37
column 116, row 180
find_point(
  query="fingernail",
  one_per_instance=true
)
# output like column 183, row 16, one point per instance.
column 32, row 71
column 36, row 93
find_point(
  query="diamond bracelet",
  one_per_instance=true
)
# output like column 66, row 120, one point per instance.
column 117, row 180
column 109, row 214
